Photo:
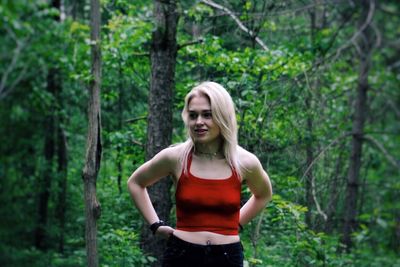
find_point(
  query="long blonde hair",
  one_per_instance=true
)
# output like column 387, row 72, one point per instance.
column 223, row 113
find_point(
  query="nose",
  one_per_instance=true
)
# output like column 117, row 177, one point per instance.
column 199, row 120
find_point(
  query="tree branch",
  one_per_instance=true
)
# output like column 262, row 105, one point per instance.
column 11, row 66
column 201, row 40
column 21, row 75
column 390, row 158
column 136, row 142
column 323, row 151
column 366, row 23
column 136, row 119
column 394, row 107
column 137, row 54
column 314, row 195
column 238, row 22
column 378, row 34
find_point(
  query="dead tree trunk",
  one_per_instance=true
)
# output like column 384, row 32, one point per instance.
column 359, row 115
column 93, row 142
column 159, row 130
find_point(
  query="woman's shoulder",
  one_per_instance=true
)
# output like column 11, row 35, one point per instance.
column 172, row 153
column 172, row 157
column 248, row 160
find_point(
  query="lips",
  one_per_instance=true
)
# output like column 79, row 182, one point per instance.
column 200, row 131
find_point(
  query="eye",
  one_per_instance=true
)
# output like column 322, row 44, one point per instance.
column 192, row 115
column 207, row 115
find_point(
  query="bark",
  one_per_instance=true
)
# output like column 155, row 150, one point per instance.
column 360, row 108
column 159, row 130
column 93, row 142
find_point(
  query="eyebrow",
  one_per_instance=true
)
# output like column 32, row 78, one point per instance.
column 204, row 110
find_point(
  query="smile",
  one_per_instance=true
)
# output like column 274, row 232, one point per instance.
column 200, row 131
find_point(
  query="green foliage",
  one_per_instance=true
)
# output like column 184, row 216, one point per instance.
column 306, row 75
column 279, row 237
column 119, row 240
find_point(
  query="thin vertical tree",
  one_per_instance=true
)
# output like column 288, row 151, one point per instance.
column 93, row 142
column 62, row 154
column 62, row 169
column 317, row 19
column 51, row 123
column 159, row 129
column 364, row 50
column 41, row 234
column 120, row 119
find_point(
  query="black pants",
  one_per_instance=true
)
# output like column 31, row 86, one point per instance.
column 180, row 253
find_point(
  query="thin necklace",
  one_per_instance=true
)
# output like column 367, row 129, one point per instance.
column 207, row 155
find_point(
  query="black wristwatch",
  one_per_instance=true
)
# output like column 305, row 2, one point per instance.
column 156, row 225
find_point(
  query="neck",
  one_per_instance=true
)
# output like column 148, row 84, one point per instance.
column 208, row 151
column 208, row 148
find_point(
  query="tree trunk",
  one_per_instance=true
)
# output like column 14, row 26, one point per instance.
column 93, row 142
column 336, row 182
column 61, row 146
column 53, row 87
column 119, row 169
column 317, row 15
column 120, row 118
column 395, row 241
column 360, row 108
column 62, row 153
column 309, row 160
column 45, row 182
column 159, row 129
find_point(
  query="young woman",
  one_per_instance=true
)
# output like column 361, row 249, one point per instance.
column 208, row 170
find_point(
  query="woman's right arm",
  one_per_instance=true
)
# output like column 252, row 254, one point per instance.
column 161, row 165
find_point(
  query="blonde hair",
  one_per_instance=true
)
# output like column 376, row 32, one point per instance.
column 223, row 113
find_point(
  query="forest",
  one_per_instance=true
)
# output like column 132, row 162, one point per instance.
column 92, row 89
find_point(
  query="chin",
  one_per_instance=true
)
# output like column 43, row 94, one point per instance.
column 200, row 140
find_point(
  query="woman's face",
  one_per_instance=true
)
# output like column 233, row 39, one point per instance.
column 203, row 128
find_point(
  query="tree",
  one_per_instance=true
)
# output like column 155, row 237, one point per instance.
column 93, row 141
column 295, row 97
column 159, row 128
column 364, row 48
column 51, row 126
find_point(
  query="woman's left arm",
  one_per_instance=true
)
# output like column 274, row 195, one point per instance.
column 260, row 186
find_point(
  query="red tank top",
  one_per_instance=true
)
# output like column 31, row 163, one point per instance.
column 208, row 204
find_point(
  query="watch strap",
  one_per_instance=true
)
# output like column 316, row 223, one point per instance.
column 156, row 225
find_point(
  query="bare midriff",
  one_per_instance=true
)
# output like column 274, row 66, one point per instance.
column 206, row 238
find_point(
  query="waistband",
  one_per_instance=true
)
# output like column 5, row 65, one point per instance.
column 217, row 249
